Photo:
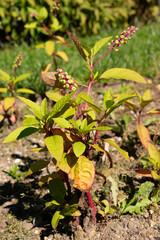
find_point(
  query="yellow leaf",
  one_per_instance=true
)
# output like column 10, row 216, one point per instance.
column 46, row 68
column 154, row 153
column 83, row 174
column 49, row 47
column 8, row 102
column 1, row 118
column 62, row 55
column 143, row 135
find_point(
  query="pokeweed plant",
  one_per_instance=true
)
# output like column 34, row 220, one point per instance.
column 72, row 128
column 7, row 105
column 46, row 23
column 144, row 135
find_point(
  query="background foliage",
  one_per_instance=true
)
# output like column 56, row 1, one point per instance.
column 86, row 16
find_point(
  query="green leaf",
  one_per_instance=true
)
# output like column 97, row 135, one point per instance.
column 31, row 25
column 79, row 148
column 30, row 121
column 108, row 100
column 120, row 150
column 54, row 145
column 3, row 89
column 55, row 219
column 57, row 189
column 114, row 189
column 4, row 76
column 25, row 90
column 89, row 101
column 37, row 166
column 123, row 73
column 69, row 113
column 42, row 14
column 62, row 122
column 71, row 210
column 60, row 104
column 47, row 178
column 44, row 107
column 102, row 128
column 19, row 133
column 35, row 107
column 99, row 45
column 22, row 77
column 136, row 205
column 54, row 96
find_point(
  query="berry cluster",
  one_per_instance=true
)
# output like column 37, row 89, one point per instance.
column 17, row 62
column 66, row 80
column 123, row 38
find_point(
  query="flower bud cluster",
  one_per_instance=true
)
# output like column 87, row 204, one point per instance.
column 17, row 62
column 123, row 38
column 66, row 80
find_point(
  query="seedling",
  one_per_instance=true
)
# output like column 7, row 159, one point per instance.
column 7, row 105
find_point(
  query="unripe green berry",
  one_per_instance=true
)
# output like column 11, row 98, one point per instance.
column 116, row 50
column 109, row 44
column 116, row 41
column 73, row 88
column 116, row 36
column 66, row 86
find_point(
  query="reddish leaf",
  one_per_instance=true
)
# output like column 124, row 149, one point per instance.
column 144, row 172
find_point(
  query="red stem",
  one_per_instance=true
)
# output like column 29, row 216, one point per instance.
column 91, row 204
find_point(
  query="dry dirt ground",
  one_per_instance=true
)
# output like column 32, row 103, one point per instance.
column 22, row 213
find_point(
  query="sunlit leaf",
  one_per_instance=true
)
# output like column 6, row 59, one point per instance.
column 55, row 219
column 25, row 90
column 154, row 152
column 22, row 77
column 19, row 133
column 62, row 55
column 3, row 89
column 89, row 101
column 120, row 150
column 30, row 121
column 4, row 76
column 155, row 175
column 35, row 107
column 83, row 174
column 42, row 14
column 123, row 73
column 8, row 102
column 47, row 178
column 79, row 148
column 143, row 135
column 44, row 107
column 99, row 45
column 62, row 122
column 31, row 25
column 49, row 47
column 54, row 145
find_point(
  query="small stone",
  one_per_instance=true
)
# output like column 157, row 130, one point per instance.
column 36, row 232
column 17, row 160
column 152, row 223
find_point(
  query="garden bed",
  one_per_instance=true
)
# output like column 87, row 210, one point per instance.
column 22, row 212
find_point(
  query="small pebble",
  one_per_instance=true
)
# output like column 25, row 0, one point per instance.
column 17, row 160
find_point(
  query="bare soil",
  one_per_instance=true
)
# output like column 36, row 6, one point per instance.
column 22, row 210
